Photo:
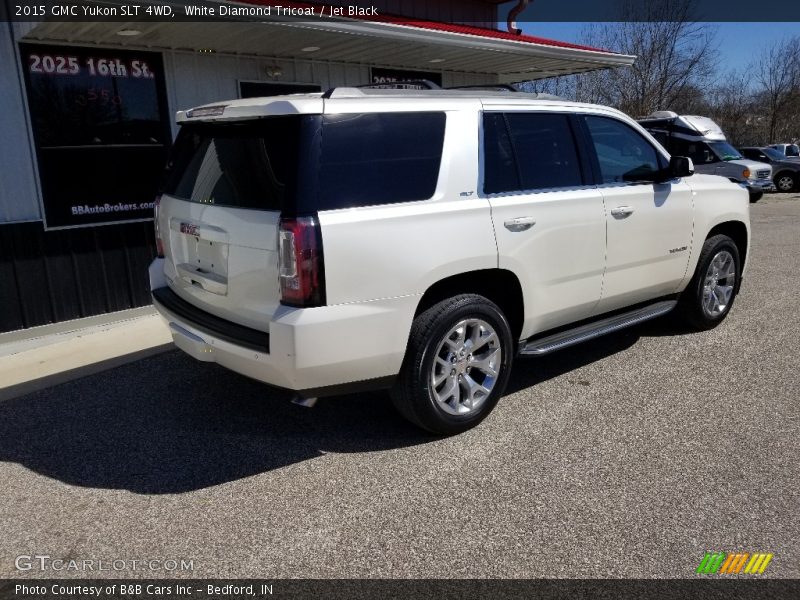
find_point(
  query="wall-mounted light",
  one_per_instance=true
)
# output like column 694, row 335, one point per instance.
column 310, row 49
column 437, row 60
column 129, row 32
column 274, row 72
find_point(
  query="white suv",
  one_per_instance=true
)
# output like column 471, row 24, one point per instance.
column 420, row 240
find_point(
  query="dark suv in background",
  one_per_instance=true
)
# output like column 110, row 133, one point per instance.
column 785, row 170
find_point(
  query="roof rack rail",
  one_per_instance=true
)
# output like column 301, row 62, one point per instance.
column 359, row 91
column 409, row 84
column 500, row 87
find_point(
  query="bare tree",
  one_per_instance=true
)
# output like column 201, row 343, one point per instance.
column 732, row 105
column 563, row 86
column 674, row 54
column 675, row 70
column 778, row 75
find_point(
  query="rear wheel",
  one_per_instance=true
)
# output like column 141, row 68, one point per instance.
column 785, row 182
column 709, row 296
column 457, row 365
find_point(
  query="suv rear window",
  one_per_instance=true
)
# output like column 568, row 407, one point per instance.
column 309, row 163
column 245, row 165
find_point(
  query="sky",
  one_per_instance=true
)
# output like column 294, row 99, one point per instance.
column 739, row 43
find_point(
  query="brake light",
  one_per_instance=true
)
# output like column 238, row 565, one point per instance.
column 300, row 262
column 159, row 243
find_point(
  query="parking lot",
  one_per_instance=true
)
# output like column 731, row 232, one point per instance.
column 629, row 456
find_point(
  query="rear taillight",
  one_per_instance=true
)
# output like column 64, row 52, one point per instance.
column 159, row 243
column 300, row 261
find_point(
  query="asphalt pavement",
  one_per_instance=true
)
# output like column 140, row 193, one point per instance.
column 629, row 456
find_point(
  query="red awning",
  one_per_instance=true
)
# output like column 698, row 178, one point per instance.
column 472, row 30
column 484, row 32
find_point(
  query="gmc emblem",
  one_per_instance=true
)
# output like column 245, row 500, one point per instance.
column 189, row 229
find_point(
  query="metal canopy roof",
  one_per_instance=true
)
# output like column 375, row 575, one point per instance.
column 391, row 41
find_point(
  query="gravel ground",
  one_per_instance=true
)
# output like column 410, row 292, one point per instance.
column 629, row 456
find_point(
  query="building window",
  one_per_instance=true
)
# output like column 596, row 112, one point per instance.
column 101, row 128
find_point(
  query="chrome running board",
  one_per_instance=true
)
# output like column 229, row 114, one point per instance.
column 564, row 339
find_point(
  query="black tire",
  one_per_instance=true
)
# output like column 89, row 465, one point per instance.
column 785, row 182
column 691, row 304
column 413, row 393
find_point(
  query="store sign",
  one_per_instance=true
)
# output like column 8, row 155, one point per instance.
column 389, row 76
column 99, row 120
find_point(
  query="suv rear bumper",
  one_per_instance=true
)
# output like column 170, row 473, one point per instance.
column 313, row 351
column 167, row 300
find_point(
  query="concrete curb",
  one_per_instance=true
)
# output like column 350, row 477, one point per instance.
column 65, row 327
column 35, row 385
column 38, row 358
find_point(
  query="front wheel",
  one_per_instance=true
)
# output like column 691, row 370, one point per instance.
column 785, row 182
column 709, row 296
column 457, row 365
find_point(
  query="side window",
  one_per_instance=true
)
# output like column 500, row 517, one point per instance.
column 379, row 158
column 753, row 154
column 699, row 152
column 624, row 155
column 662, row 138
column 535, row 151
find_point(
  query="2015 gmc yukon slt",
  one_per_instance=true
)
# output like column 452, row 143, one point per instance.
column 419, row 240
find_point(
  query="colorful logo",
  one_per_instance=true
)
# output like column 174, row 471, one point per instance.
column 734, row 563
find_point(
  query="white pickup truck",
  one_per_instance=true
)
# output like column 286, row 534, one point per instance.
column 419, row 240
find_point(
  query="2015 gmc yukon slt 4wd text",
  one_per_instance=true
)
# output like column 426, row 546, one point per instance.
column 419, row 240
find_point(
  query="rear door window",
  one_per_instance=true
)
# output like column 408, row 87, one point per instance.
column 529, row 151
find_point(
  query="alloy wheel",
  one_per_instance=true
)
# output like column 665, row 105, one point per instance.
column 466, row 367
column 719, row 284
column 785, row 183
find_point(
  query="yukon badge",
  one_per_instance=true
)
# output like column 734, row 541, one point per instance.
column 681, row 249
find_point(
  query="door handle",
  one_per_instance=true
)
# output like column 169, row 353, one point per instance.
column 622, row 211
column 520, row 224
